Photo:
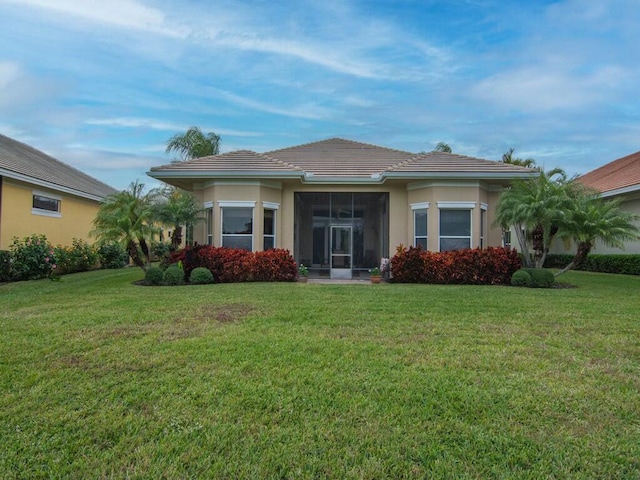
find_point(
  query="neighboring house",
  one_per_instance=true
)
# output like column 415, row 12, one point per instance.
column 41, row 195
column 340, row 206
column 619, row 179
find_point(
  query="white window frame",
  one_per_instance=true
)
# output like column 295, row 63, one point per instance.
column 271, row 206
column 483, row 224
column 41, row 211
column 470, row 206
column 208, row 207
column 416, row 207
column 237, row 204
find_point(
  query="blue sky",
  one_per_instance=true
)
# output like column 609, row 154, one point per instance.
column 103, row 85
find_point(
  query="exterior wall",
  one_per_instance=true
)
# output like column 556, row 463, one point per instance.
column 76, row 220
column 401, row 196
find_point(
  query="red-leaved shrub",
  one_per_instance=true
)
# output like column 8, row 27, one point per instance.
column 488, row 266
column 235, row 265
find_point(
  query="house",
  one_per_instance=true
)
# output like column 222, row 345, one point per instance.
column 340, row 206
column 41, row 195
column 619, row 179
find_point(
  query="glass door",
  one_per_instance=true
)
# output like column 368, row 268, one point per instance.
column 341, row 247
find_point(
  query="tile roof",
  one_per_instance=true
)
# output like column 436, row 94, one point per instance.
column 338, row 158
column 19, row 160
column 619, row 174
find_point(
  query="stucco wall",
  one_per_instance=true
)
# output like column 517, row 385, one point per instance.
column 17, row 219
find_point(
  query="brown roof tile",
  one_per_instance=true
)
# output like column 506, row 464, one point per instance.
column 24, row 161
column 621, row 173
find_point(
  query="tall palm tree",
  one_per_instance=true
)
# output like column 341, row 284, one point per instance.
column 442, row 147
column 535, row 208
column 592, row 218
column 176, row 208
column 508, row 157
column 194, row 144
column 127, row 218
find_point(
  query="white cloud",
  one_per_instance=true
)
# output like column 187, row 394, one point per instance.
column 153, row 124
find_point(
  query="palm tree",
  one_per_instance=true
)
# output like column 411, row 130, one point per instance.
column 126, row 218
column 593, row 218
column 509, row 158
column 176, row 208
column 443, row 147
column 194, row 144
column 535, row 208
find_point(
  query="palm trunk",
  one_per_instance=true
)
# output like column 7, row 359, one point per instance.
column 584, row 248
column 176, row 237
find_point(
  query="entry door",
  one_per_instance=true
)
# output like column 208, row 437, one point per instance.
column 341, row 248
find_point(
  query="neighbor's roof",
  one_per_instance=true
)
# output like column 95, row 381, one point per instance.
column 619, row 176
column 22, row 162
column 337, row 159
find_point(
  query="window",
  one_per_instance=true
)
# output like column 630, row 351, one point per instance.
column 188, row 235
column 237, row 225
column 455, row 225
column 269, row 231
column 420, row 224
column 209, row 221
column 45, row 205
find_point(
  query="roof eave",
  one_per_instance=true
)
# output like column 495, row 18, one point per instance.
column 50, row 185
column 160, row 175
column 463, row 175
column 621, row 191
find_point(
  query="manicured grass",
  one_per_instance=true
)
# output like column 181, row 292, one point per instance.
column 102, row 378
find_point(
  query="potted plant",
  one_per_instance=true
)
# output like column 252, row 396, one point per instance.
column 303, row 273
column 376, row 275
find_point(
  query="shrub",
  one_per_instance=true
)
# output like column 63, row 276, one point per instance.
column 33, row 258
column 153, row 275
column 160, row 251
column 200, row 276
column 79, row 257
column 468, row 266
column 541, row 278
column 5, row 265
column 173, row 275
column 521, row 278
column 112, row 255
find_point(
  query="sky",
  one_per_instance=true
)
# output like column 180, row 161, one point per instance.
column 103, row 85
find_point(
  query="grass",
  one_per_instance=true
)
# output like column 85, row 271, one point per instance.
column 102, row 378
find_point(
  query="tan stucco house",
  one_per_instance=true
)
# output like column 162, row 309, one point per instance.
column 42, row 195
column 340, row 206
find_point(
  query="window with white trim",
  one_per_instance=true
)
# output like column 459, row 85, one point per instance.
column 237, row 224
column 420, row 216
column 483, row 224
column 269, row 230
column 455, row 225
column 47, row 205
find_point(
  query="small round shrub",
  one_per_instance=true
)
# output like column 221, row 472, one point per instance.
column 521, row 278
column 154, row 275
column 173, row 275
column 542, row 278
column 200, row 276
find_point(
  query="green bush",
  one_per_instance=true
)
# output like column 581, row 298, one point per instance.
column 200, row 276
column 5, row 265
column 541, row 278
column 33, row 258
column 79, row 257
column 627, row 264
column 521, row 278
column 154, row 275
column 160, row 251
column 112, row 255
column 173, row 275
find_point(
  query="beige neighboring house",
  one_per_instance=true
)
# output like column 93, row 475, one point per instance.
column 340, row 206
column 619, row 179
column 42, row 195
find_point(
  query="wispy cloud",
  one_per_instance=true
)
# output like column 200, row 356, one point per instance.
column 153, row 124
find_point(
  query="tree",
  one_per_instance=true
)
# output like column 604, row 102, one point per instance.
column 176, row 208
column 127, row 218
column 194, row 144
column 592, row 218
column 442, row 147
column 536, row 208
column 509, row 158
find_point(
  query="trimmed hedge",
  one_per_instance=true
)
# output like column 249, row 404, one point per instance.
column 627, row 264
column 234, row 265
column 200, row 276
column 154, row 275
column 173, row 275
column 521, row 278
column 488, row 266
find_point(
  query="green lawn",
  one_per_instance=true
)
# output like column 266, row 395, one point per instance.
column 102, row 378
